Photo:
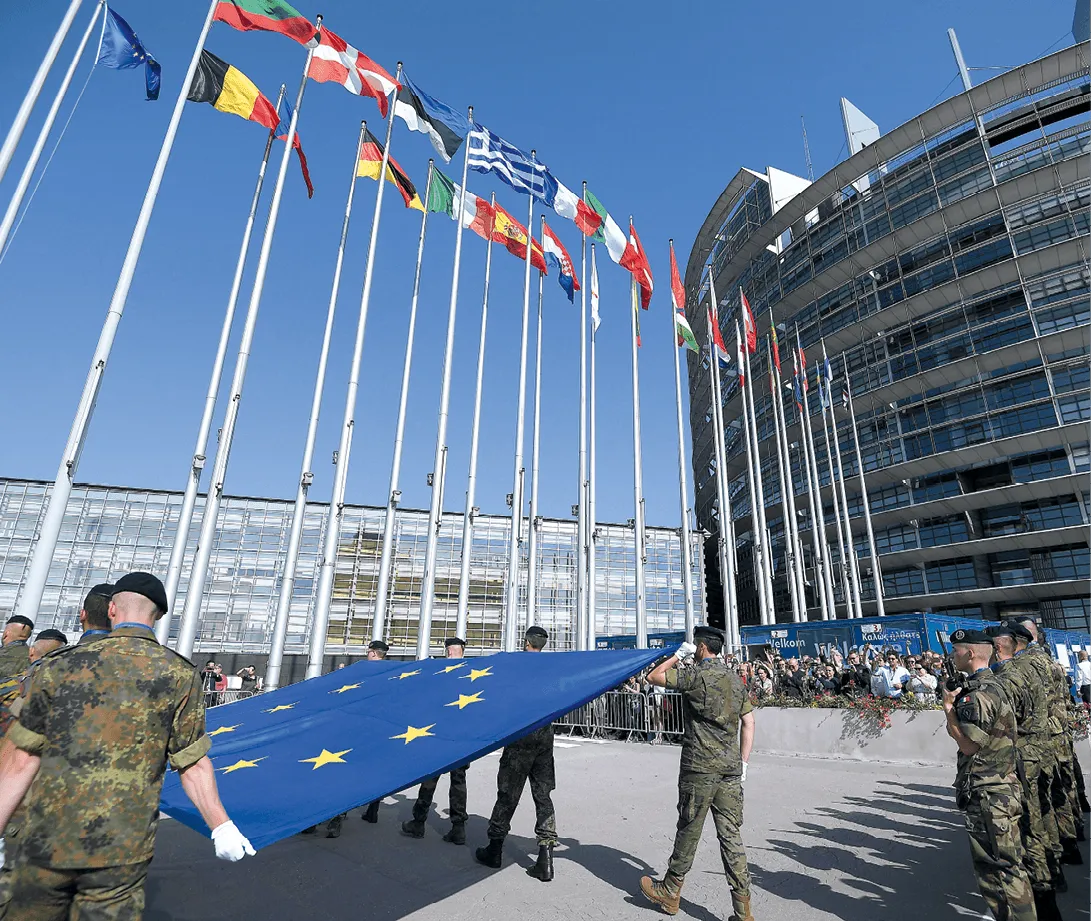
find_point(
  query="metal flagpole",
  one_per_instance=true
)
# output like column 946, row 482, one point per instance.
column 592, row 527
column 797, row 544
column 336, row 512
column 846, row 521
column 394, row 494
column 15, row 132
column 725, row 540
column 439, row 467
column 766, row 555
column 816, row 539
column 818, row 515
column 876, row 571
column 581, row 515
column 784, row 471
column 50, row 529
column 535, row 522
column 846, row 591
column 470, row 513
column 191, row 612
column 683, row 487
column 47, row 126
column 306, row 476
column 757, row 529
column 511, row 615
column 638, row 482
column 197, row 464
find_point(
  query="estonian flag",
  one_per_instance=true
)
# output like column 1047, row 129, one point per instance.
column 445, row 127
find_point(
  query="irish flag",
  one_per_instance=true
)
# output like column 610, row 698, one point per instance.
column 265, row 16
column 336, row 61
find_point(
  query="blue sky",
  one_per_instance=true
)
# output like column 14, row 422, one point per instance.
column 656, row 105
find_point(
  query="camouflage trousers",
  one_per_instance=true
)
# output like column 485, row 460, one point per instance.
column 96, row 894
column 697, row 794
column 992, row 822
column 1065, row 799
column 458, row 797
column 531, row 758
column 1038, row 826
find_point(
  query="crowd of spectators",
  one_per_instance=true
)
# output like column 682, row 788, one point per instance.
column 219, row 688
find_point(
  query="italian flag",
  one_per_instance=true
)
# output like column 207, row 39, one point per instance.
column 443, row 198
column 678, row 296
column 265, row 16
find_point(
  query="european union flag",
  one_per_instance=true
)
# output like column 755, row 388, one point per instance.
column 121, row 49
column 291, row 758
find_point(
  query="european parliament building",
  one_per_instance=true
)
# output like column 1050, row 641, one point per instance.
column 110, row 530
column 944, row 266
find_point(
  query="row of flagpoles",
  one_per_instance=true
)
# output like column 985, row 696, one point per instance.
column 330, row 58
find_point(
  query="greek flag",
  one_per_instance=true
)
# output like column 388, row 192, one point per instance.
column 489, row 152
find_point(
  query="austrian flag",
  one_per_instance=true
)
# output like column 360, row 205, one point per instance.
column 558, row 255
column 336, row 61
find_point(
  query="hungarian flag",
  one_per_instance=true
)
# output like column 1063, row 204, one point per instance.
column 371, row 161
column 748, row 324
column 678, row 298
column 230, row 90
column 265, row 16
column 636, row 261
column 336, row 61
column 297, row 145
column 444, row 196
column 556, row 254
column 513, row 235
column 607, row 231
column 568, row 204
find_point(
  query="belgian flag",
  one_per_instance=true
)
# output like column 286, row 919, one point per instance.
column 371, row 161
column 230, row 90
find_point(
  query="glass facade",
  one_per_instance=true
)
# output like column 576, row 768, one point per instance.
column 109, row 531
column 945, row 271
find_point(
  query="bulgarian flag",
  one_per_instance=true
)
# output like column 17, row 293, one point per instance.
column 265, row 16
column 336, row 61
column 443, row 198
column 678, row 297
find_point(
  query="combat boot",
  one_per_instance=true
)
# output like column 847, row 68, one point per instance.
column 491, row 856
column 333, row 827
column 1070, row 853
column 414, row 828
column 457, row 835
column 740, row 905
column 372, row 813
column 666, row 894
column 1045, row 905
column 1060, row 884
column 543, row 869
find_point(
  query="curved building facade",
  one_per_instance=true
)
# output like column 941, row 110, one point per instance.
column 945, row 268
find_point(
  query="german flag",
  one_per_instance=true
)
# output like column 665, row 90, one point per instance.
column 230, row 90
column 371, row 161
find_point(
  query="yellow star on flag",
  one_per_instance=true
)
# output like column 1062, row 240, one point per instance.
column 405, row 675
column 240, row 764
column 325, row 758
column 476, row 673
column 343, row 688
column 412, row 732
column 464, row 700
column 280, row 707
column 450, row 668
column 223, row 729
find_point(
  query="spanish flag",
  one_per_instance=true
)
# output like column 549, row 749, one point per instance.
column 230, row 90
column 513, row 235
column 371, row 161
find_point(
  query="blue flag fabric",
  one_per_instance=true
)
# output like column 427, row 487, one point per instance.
column 302, row 754
column 489, row 152
column 121, row 49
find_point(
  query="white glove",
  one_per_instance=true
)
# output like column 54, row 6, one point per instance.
column 231, row 844
column 686, row 650
column 743, row 778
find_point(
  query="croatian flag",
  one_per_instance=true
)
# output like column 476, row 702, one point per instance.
column 557, row 255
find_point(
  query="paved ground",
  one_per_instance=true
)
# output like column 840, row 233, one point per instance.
column 826, row 839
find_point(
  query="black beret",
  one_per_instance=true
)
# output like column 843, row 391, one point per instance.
column 711, row 633
column 53, row 635
column 971, row 638
column 1016, row 629
column 537, row 631
column 454, row 641
column 143, row 583
column 1023, row 619
column 19, row 619
column 102, row 590
column 378, row 644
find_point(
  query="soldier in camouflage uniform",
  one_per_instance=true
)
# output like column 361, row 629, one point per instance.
column 712, row 769
column 1065, row 796
column 987, row 789
column 531, row 757
column 1022, row 681
column 455, row 648
column 92, row 743
column 14, row 653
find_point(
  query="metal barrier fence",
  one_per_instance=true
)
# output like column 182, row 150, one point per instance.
column 651, row 716
column 219, row 698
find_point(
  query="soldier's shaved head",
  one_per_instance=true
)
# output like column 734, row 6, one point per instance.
column 129, row 606
column 39, row 648
column 1004, row 647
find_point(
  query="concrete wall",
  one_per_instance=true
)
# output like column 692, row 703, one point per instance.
column 917, row 737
